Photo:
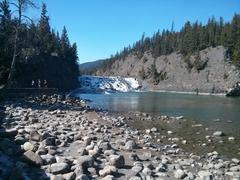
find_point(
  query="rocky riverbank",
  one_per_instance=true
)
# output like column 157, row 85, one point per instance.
column 61, row 138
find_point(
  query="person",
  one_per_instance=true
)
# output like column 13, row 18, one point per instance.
column 45, row 83
column 39, row 83
column 33, row 83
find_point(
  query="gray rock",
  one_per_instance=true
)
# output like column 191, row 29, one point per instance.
column 33, row 158
column 117, row 161
column 235, row 168
column 59, row 168
column 35, row 136
column 147, row 171
column 107, row 170
column 50, row 141
column 105, row 146
column 85, row 161
column 27, row 146
column 130, row 145
column 6, row 133
column 205, row 174
column 135, row 178
column 218, row 133
column 57, row 177
column 179, row 174
column 48, row 159
column 86, row 140
column 108, row 177
column 69, row 176
column 83, row 177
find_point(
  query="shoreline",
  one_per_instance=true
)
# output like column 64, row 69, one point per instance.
column 67, row 139
column 185, row 92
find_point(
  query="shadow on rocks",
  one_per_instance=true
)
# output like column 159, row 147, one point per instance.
column 14, row 165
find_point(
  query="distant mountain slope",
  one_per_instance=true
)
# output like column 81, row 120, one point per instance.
column 206, row 71
column 89, row 67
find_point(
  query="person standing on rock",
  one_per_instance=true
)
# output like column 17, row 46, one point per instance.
column 45, row 83
column 33, row 83
column 39, row 83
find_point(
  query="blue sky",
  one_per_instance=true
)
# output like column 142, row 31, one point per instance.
column 103, row 27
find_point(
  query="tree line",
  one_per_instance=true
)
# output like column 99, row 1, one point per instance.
column 193, row 37
column 34, row 51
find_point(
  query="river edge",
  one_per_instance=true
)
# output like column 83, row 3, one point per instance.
column 99, row 136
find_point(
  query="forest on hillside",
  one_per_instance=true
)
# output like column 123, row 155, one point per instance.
column 33, row 50
column 192, row 38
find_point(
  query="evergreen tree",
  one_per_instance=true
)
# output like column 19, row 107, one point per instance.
column 44, row 32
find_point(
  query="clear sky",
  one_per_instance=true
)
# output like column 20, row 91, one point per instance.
column 102, row 27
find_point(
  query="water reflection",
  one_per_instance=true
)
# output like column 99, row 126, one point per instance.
column 204, row 109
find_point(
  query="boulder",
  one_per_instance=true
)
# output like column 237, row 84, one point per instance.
column 35, row 136
column 107, row 170
column 59, row 168
column 218, row 133
column 179, row 174
column 234, row 91
column 130, row 145
column 117, row 161
column 33, row 158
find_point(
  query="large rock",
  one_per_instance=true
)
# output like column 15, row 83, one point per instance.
column 48, row 159
column 117, row 160
column 27, row 146
column 234, row 91
column 107, row 170
column 59, row 168
column 218, row 133
column 179, row 174
column 33, row 158
column 35, row 136
column 130, row 145
column 5, row 133
column 205, row 174
column 85, row 161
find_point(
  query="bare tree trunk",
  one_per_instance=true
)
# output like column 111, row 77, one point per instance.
column 12, row 69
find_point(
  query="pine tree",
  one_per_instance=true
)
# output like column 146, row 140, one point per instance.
column 44, row 32
column 65, row 44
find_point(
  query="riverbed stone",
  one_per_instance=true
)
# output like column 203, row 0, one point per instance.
column 59, row 168
column 107, row 170
column 179, row 174
column 218, row 133
column 130, row 145
column 117, row 161
column 28, row 146
column 33, row 158
column 205, row 174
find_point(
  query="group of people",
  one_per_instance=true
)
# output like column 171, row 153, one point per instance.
column 39, row 84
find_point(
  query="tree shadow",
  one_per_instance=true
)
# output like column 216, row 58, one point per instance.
column 13, row 164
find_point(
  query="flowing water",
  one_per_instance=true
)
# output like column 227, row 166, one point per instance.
column 216, row 112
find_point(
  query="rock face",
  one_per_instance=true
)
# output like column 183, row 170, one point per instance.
column 178, row 73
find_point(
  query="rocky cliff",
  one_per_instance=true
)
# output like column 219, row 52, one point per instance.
column 209, row 71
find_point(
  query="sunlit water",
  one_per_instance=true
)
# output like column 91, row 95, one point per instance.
column 203, row 109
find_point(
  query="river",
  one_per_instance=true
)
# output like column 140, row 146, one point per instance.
column 216, row 112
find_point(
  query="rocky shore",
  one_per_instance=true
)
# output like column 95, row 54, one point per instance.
column 60, row 138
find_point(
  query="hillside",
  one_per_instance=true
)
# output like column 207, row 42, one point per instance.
column 207, row 71
column 89, row 67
